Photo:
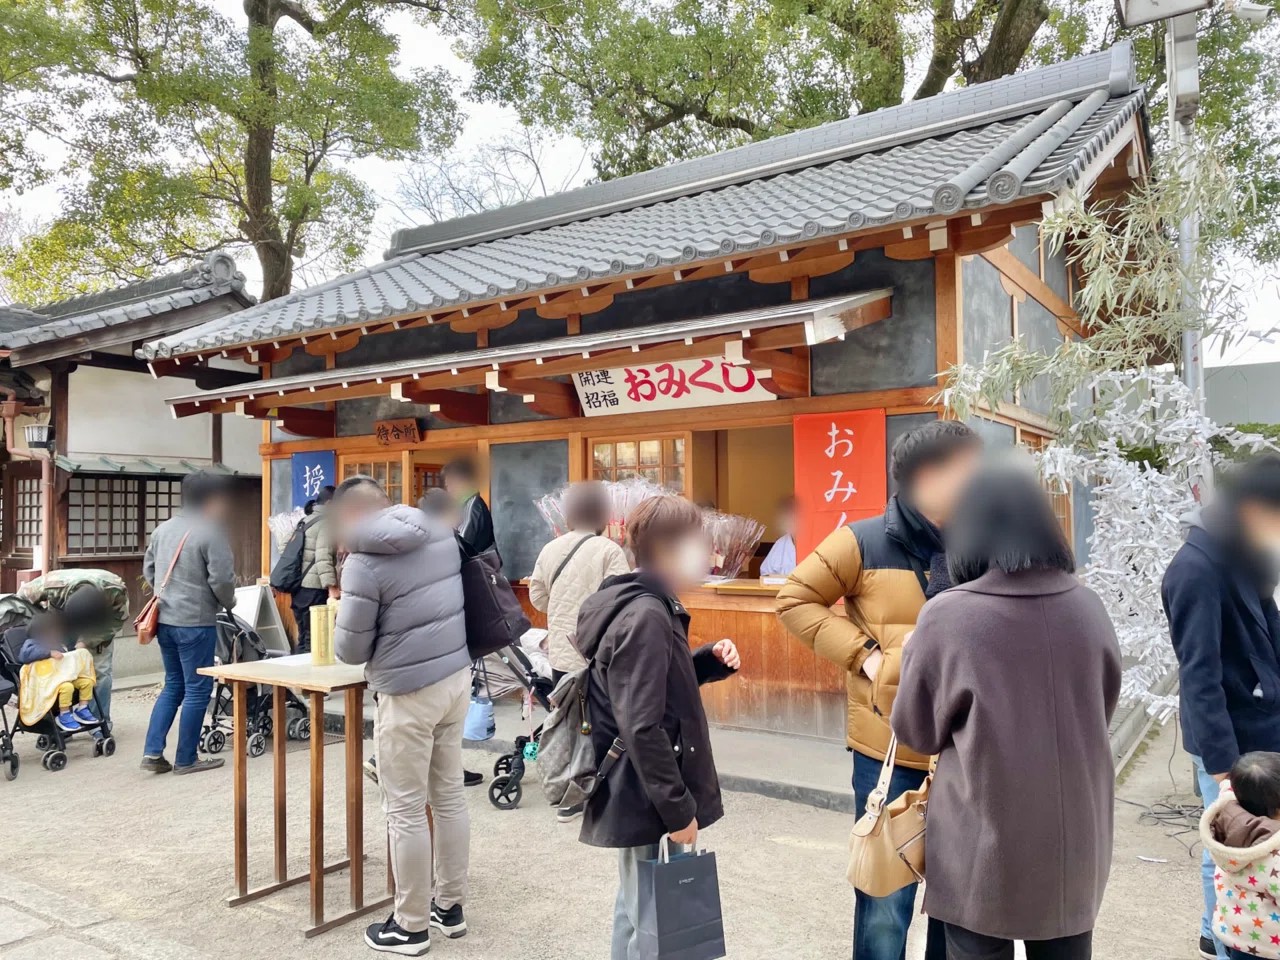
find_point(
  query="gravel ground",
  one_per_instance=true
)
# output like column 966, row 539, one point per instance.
column 102, row 860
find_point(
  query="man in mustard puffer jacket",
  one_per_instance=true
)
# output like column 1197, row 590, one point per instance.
column 881, row 568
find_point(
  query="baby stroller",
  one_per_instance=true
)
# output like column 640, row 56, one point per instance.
column 8, row 756
column 50, row 738
column 508, row 770
column 238, row 642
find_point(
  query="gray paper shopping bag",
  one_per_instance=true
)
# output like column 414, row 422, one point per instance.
column 679, row 907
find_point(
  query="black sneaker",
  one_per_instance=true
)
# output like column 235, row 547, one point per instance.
column 472, row 779
column 201, row 765
column 156, row 765
column 1208, row 949
column 390, row 937
column 570, row 814
column 449, row 922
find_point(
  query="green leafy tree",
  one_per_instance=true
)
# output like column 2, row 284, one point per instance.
column 648, row 82
column 174, row 130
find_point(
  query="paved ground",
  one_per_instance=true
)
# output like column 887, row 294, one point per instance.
column 103, row 861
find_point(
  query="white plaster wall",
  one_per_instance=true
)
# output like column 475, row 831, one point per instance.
column 240, row 440
column 120, row 414
column 1247, row 393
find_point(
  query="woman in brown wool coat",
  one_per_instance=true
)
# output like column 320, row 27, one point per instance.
column 1011, row 678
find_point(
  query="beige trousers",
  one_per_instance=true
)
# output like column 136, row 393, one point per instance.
column 418, row 737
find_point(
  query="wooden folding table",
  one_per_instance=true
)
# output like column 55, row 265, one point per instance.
column 299, row 673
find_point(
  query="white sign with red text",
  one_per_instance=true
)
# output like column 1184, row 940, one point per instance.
column 709, row 382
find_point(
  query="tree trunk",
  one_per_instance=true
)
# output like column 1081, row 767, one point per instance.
column 1015, row 27
column 261, row 224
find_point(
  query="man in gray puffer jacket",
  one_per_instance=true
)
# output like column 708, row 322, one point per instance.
column 401, row 615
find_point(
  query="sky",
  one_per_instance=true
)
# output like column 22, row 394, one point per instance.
column 486, row 122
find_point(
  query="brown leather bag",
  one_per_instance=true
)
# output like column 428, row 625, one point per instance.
column 886, row 847
column 147, row 622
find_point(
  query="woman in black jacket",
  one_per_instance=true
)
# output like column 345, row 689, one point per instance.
column 643, row 690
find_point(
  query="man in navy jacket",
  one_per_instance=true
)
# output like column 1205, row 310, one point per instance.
column 1219, row 597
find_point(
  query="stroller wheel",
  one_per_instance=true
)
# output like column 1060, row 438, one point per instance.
column 265, row 725
column 502, row 766
column 203, row 743
column 505, row 793
column 43, row 742
column 11, row 768
column 291, row 729
column 108, row 746
column 215, row 741
column 54, row 760
column 304, row 729
column 257, row 745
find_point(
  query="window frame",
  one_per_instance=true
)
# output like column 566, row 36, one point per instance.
column 685, row 436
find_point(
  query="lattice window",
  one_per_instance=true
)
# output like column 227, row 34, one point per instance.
column 660, row 459
column 386, row 472
column 161, row 499
column 26, row 513
column 102, row 515
column 426, row 476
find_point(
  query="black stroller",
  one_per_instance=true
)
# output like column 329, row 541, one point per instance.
column 237, row 642
column 50, row 738
column 509, row 769
column 8, row 756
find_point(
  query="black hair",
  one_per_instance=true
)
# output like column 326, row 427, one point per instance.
column 325, row 495
column 86, row 608
column 1256, row 480
column 436, row 502
column 309, row 508
column 935, row 442
column 202, row 486
column 47, row 621
column 463, row 468
column 1004, row 520
column 360, row 484
column 1255, row 780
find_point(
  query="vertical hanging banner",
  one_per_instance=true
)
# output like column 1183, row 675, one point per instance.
column 839, row 472
column 311, row 472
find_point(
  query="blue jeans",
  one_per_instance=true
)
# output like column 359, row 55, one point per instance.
column 880, row 923
column 1209, row 792
column 184, row 651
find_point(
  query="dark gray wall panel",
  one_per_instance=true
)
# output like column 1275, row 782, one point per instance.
column 528, row 328
column 357, row 417
column 685, row 301
column 988, row 310
column 1055, row 273
column 510, row 408
column 1039, row 329
column 900, row 351
column 519, row 473
column 995, row 435
column 1026, row 246
column 409, row 344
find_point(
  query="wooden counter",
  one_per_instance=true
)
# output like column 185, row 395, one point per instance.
column 783, row 687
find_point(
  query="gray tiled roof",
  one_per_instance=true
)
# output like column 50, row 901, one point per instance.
column 161, row 466
column 214, row 277
column 1027, row 135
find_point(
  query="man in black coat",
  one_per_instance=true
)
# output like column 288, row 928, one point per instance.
column 1219, row 597
column 476, row 523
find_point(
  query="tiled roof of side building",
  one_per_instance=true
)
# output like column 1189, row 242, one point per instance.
column 1027, row 135
column 215, row 276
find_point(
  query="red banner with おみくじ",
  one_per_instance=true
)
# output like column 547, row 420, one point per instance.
column 840, row 476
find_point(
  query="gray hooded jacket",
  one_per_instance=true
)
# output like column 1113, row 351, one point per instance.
column 401, row 608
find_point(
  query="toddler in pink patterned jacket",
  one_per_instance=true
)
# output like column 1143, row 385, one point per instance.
column 1240, row 831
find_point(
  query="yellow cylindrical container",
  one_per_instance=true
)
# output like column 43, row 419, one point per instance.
column 321, row 636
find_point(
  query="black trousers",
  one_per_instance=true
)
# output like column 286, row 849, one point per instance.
column 964, row 944
column 303, row 601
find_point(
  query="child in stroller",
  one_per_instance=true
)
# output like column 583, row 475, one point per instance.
column 45, row 706
column 238, row 642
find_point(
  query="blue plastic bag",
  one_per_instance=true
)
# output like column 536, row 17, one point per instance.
column 479, row 724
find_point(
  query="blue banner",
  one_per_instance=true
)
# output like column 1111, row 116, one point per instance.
column 311, row 472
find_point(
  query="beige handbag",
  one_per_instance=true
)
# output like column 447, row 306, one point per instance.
column 886, row 847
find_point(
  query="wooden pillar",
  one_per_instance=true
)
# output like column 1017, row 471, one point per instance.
column 949, row 310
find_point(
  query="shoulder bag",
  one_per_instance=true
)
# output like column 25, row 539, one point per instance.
column 147, row 622
column 886, row 847
column 569, row 556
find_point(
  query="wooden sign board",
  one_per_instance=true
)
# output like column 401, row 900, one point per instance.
column 839, row 472
column 389, row 432
column 708, row 382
